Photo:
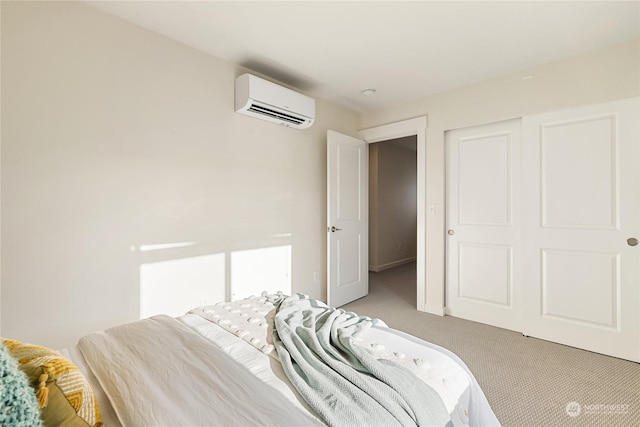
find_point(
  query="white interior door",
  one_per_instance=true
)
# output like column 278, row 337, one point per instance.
column 483, row 243
column 582, row 191
column 347, row 218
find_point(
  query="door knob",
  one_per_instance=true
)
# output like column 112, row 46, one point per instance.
column 450, row 232
column 632, row 241
column 334, row 229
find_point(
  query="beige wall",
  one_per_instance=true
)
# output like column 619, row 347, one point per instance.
column 599, row 76
column 114, row 137
column 392, row 204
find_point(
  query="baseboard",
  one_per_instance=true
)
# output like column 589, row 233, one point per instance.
column 432, row 309
column 382, row 267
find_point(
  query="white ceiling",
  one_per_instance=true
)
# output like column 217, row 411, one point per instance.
column 405, row 50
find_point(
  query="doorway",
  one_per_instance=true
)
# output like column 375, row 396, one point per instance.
column 412, row 127
column 393, row 210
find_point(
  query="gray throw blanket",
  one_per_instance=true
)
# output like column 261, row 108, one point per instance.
column 343, row 382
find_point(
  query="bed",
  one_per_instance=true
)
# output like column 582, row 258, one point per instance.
column 237, row 364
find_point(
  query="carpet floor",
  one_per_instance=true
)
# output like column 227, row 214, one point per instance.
column 529, row 382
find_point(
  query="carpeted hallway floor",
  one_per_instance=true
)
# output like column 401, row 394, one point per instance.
column 528, row 382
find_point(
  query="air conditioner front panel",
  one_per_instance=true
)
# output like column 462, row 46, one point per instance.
column 272, row 112
column 274, row 115
column 262, row 99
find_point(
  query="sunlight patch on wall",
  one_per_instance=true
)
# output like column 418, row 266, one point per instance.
column 176, row 286
column 257, row 270
column 161, row 246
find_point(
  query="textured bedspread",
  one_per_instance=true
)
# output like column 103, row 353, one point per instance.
column 344, row 382
column 244, row 330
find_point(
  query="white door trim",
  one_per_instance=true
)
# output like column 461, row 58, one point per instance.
column 418, row 127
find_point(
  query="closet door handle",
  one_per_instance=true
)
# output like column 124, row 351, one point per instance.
column 451, row 232
column 334, row 229
column 632, row 241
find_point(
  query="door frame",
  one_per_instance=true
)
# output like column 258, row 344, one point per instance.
column 412, row 127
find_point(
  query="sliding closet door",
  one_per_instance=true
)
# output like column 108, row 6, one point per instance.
column 483, row 244
column 581, row 216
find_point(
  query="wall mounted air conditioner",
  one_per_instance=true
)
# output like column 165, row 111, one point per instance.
column 262, row 99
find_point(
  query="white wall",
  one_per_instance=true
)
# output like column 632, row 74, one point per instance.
column 392, row 204
column 116, row 139
column 598, row 76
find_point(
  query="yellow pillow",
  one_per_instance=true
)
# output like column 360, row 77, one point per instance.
column 65, row 396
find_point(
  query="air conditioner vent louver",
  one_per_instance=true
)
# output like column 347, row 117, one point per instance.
column 276, row 114
column 265, row 100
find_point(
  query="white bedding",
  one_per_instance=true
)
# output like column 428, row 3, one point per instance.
column 167, row 395
column 158, row 372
